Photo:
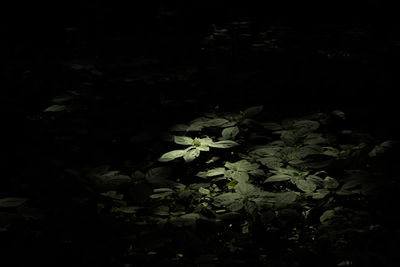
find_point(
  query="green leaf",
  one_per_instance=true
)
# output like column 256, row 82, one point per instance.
column 226, row 199
column 248, row 190
column 216, row 122
column 172, row 155
column 158, row 175
column 327, row 216
column 242, row 165
column 206, row 141
column 314, row 139
column 215, row 172
column 224, row 144
column 55, row 108
column 339, row 114
column 113, row 179
column 230, row 133
column 252, row 111
column 12, row 202
column 271, row 162
column 204, row 191
column 266, row 151
column 191, row 154
column 284, row 198
column 185, row 220
column 161, row 195
column 320, row 194
column 330, row 183
column 197, row 124
column 382, row 148
column 305, row 185
column 241, row 177
column 235, row 206
column 183, row 140
column 257, row 172
column 277, row 178
column 318, row 181
column 203, row 147
column 128, row 209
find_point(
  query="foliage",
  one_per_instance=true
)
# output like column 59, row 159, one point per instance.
column 298, row 176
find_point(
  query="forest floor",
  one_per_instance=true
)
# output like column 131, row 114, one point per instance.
column 86, row 118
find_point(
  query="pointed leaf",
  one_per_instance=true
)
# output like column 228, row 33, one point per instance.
column 172, row 155
column 306, row 185
column 216, row 122
column 191, row 155
column 55, row 108
column 230, row 133
column 252, row 111
column 327, row 216
column 277, row 178
column 224, row 144
column 241, row 177
column 215, row 172
column 330, row 183
column 183, row 140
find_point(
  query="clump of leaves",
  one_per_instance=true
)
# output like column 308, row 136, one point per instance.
column 298, row 173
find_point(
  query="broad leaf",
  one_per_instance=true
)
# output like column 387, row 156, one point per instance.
column 230, row 133
column 215, row 172
column 330, row 183
column 252, row 111
column 305, row 185
column 327, row 216
column 320, row 193
column 183, row 140
column 172, row 155
column 240, row 176
column 248, row 190
column 271, row 162
column 284, row 198
column 191, row 154
column 223, row 144
column 216, row 122
column 277, row 178
column 227, row 199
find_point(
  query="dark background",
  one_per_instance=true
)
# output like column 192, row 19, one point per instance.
column 330, row 55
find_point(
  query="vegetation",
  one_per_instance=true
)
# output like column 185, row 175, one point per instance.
column 215, row 142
